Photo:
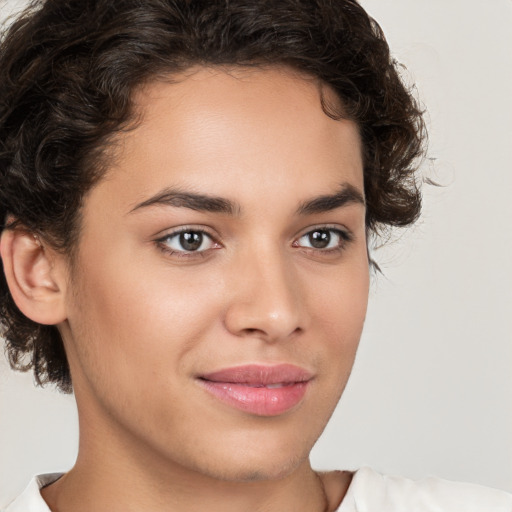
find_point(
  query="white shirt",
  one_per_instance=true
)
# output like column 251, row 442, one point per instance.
column 372, row 492
column 369, row 491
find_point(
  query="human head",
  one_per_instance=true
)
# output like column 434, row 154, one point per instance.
column 68, row 71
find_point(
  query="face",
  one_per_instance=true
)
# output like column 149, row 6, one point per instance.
column 222, row 276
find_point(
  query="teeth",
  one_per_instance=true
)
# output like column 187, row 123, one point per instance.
column 274, row 386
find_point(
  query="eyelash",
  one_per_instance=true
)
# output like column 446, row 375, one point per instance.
column 345, row 237
column 164, row 247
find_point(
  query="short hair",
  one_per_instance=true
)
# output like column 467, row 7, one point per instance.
column 68, row 70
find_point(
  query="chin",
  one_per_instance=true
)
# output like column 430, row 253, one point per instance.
column 259, row 459
column 276, row 468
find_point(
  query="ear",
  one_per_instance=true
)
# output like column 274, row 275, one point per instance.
column 35, row 276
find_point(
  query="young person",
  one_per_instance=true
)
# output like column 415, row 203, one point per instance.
column 187, row 193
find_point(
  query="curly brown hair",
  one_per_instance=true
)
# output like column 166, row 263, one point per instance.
column 68, row 70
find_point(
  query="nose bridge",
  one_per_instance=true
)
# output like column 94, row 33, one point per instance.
column 266, row 301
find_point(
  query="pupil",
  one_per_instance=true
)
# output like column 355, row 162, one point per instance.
column 320, row 239
column 191, row 241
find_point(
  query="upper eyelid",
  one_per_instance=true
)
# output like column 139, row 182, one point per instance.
column 167, row 233
column 329, row 227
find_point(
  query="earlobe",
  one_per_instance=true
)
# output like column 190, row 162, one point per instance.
column 33, row 279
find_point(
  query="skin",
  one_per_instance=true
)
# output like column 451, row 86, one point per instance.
column 140, row 323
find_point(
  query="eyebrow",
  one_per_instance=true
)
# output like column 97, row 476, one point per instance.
column 348, row 194
column 193, row 201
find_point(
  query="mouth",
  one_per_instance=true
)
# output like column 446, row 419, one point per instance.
column 257, row 389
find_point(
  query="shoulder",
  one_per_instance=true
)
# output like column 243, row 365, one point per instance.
column 30, row 500
column 371, row 490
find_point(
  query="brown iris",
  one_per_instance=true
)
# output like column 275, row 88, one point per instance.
column 191, row 240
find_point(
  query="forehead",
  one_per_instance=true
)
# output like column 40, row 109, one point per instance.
column 212, row 128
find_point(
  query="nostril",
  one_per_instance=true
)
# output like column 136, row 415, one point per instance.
column 251, row 330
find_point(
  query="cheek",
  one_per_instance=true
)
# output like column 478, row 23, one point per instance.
column 341, row 297
column 340, row 311
column 132, row 318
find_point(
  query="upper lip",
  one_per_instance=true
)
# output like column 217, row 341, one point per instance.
column 257, row 374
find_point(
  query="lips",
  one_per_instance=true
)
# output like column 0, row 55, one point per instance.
column 257, row 389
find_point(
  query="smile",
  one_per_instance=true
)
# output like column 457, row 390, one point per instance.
column 259, row 390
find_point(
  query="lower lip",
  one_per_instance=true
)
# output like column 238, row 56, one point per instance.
column 261, row 401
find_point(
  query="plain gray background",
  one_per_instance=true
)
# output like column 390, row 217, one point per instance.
column 431, row 391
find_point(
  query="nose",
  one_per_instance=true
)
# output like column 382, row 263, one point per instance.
column 265, row 299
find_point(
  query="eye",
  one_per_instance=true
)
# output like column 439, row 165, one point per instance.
column 186, row 241
column 323, row 239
